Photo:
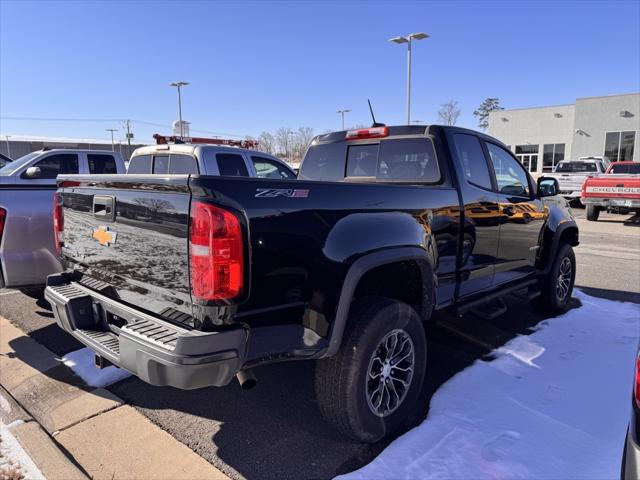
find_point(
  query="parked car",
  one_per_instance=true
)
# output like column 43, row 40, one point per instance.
column 631, row 453
column 617, row 191
column 4, row 160
column 571, row 174
column 207, row 160
column 344, row 265
column 27, row 186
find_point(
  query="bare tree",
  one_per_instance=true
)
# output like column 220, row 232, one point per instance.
column 485, row 108
column 267, row 143
column 449, row 113
column 304, row 135
column 283, row 141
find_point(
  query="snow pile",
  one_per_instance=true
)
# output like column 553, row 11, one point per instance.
column 82, row 362
column 554, row 404
column 15, row 463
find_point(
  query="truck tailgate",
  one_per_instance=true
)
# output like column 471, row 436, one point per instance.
column 129, row 240
column 613, row 186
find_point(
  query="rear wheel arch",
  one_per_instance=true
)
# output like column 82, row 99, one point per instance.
column 363, row 274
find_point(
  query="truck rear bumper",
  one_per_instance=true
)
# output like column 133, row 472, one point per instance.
column 156, row 351
column 628, row 203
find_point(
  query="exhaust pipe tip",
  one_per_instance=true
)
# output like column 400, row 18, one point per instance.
column 246, row 379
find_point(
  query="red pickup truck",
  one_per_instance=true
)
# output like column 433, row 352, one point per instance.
column 618, row 190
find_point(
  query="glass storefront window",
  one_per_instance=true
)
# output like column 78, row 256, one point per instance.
column 619, row 146
column 552, row 154
column 528, row 156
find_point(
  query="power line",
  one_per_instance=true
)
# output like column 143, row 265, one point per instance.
column 141, row 122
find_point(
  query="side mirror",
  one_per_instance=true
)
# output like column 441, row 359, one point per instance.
column 32, row 172
column 548, row 187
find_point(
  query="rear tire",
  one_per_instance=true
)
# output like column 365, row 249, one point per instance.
column 557, row 285
column 371, row 387
column 593, row 213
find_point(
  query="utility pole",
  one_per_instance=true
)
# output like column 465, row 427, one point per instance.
column 178, row 85
column 129, row 135
column 8, row 146
column 113, row 149
column 407, row 40
column 342, row 112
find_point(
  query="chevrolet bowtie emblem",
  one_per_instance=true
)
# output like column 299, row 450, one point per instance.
column 104, row 236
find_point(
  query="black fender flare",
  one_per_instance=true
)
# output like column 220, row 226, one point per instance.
column 363, row 265
column 555, row 243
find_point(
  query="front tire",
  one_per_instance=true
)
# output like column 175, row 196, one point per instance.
column 557, row 285
column 593, row 213
column 371, row 387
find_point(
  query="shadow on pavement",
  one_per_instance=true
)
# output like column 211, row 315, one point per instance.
column 275, row 431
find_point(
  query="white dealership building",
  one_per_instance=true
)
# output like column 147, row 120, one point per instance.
column 592, row 126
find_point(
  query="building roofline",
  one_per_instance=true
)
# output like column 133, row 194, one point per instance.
column 568, row 104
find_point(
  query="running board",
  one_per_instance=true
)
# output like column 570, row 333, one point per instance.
column 463, row 308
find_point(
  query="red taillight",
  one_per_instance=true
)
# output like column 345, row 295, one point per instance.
column 58, row 223
column 3, row 216
column 636, row 389
column 375, row 132
column 216, row 253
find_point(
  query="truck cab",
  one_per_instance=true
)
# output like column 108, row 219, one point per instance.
column 27, row 186
column 214, row 160
column 571, row 174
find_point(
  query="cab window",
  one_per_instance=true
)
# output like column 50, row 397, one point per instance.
column 140, row 164
column 510, row 176
column 182, row 164
column 231, row 165
column 58, row 164
column 100, row 163
column 266, row 168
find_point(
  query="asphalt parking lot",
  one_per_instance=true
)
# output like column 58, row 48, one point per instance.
column 275, row 431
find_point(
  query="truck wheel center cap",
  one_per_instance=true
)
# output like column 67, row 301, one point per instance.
column 386, row 369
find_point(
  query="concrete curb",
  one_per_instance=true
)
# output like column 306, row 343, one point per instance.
column 73, row 431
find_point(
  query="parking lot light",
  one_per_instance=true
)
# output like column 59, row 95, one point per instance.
column 178, row 85
column 342, row 112
column 407, row 40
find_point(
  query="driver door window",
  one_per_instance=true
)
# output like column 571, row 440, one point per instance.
column 60, row 164
column 510, row 176
column 266, row 168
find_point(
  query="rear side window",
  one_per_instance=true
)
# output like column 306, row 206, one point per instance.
column 140, row 164
column 60, row 164
column 161, row 164
column 408, row 160
column 182, row 164
column 626, row 168
column 324, row 162
column 231, row 165
column 101, row 163
column 474, row 163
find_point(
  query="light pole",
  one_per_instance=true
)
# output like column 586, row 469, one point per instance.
column 113, row 149
column 342, row 112
column 8, row 146
column 289, row 132
column 178, row 85
column 407, row 40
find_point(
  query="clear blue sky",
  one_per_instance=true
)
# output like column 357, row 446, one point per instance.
column 259, row 66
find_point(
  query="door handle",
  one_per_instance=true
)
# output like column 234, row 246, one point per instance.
column 104, row 207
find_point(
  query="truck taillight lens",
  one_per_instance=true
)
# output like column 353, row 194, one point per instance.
column 216, row 251
column 3, row 216
column 58, row 223
column 636, row 388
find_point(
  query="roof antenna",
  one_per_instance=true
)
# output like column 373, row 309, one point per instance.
column 375, row 124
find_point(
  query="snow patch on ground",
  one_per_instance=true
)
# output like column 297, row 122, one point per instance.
column 82, row 362
column 13, row 456
column 553, row 404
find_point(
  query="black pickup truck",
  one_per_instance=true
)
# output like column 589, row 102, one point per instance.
column 190, row 280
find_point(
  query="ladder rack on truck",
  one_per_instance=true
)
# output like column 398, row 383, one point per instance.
column 166, row 139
